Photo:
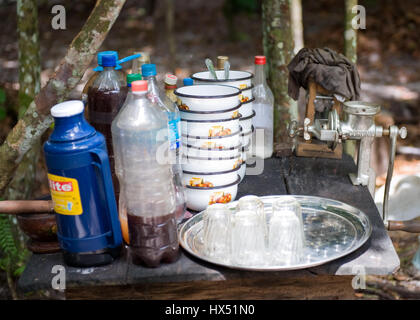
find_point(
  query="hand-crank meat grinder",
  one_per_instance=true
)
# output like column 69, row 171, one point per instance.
column 358, row 124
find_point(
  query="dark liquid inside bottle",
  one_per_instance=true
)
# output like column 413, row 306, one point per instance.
column 104, row 106
column 153, row 240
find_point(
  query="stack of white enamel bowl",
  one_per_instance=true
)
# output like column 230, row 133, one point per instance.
column 243, row 81
column 211, row 143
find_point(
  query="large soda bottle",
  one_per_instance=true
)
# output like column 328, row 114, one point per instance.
column 122, row 210
column 264, row 111
column 174, row 132
column 139, row 132
column 105, row 98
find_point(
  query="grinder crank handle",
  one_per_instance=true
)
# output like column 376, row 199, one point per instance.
column 408, row 226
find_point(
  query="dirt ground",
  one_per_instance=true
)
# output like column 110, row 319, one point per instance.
column 388, row 63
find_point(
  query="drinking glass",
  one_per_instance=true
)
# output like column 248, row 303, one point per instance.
column 216, row 231
column 286, row 238
column 247, row 239
column 253, row 203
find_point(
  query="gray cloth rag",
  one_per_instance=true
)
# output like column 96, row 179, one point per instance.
column 332, row 70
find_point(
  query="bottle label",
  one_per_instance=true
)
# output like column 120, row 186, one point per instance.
column 174, row 129
column 65, row 195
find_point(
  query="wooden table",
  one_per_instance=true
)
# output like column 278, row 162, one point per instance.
column 191, row 278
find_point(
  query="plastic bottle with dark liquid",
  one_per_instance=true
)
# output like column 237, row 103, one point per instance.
column 105, row 98
column 148, row 192
column 153, row 240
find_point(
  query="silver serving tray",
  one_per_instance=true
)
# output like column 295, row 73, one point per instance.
column 332, row 229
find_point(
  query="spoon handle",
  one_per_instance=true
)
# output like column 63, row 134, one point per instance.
column 226, row 67
column 210, row 67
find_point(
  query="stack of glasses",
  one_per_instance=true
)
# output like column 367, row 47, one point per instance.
column 246, row 237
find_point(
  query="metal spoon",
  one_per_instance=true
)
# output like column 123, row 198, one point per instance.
column 210, row 67
column 226, row 67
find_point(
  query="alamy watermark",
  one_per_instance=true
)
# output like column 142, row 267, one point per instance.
column 58, row 282
column 58, row 22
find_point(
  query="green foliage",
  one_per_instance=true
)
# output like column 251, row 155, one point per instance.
column 12, row 253
column 3, row 111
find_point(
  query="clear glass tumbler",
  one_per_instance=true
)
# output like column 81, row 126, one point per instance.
column 247, row 239
column 216, row 231
column 255, row 204
column 286, row 238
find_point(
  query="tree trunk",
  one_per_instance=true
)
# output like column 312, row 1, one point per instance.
column 297, row 24
column 29, row 86
column 278, row 48
column 170, row 20
column 37, row 118
column 350, row 34
column 350, row 51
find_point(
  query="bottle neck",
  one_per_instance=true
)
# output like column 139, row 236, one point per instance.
column 152, row 85
column 260, row 74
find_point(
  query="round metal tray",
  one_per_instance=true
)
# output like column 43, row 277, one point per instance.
column 332, row 229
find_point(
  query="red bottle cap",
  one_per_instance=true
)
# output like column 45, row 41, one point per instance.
column 139, row 85
column 260, row 60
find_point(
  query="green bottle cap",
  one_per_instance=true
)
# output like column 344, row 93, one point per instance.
column 132, row 77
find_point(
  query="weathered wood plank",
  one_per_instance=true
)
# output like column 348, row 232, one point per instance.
column 315, row 287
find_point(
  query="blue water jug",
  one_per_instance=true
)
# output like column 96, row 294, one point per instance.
column 81, row 187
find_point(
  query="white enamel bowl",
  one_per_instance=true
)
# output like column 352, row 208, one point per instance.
column 209, row 97
column 211, row 115
column 246, row 136
column 199, row 198
column 222, row 142
column 238, row 79
column 246, row 108
column 246, row 122
column 247, row 93
column 211, row 153
column 210, row 128
column 208, row 165
column 215, row 178
column 242, row 169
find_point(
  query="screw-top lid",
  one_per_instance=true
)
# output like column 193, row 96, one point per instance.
column 260, row 60
column 133, row 77
column 188, row 82
column 171, row 79
column 139, row 85
column 109, row 60
column 148, row 69
column 67, row 109
column 102, row 53
column 221, row 62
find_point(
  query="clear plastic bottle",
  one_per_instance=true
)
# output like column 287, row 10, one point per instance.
column 264, row 111
column 122, row 212
column 147, row 189
column 105, row 98
column 174, row 132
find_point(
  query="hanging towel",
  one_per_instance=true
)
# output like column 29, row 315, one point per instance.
column 332, row 70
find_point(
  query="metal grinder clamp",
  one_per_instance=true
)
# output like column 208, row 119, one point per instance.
column 358, row 124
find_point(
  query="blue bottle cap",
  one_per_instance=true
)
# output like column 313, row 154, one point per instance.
column 188, row 82
column 109, row 60
column 102, row 53
column 148, row 69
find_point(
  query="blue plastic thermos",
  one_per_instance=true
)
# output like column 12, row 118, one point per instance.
column 79, row 176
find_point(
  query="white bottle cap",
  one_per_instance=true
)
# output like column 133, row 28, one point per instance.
column 171, row 79
column 67, row 109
